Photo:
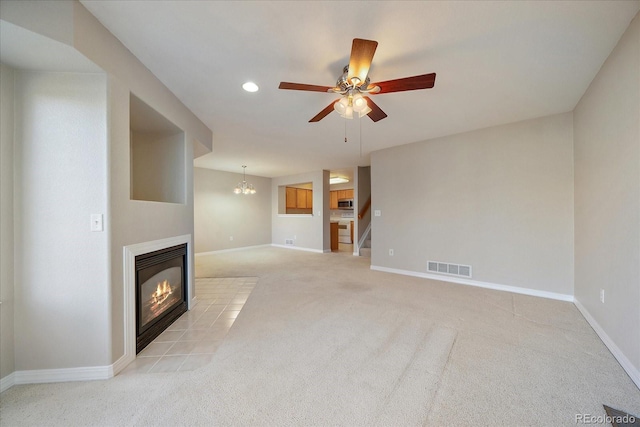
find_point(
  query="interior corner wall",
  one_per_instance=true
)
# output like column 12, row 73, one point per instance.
column 499, row 199
column 219, row 214
column 307, row 232
column 363, row 194
column 137, row 221
column 607, row 197
column 7, row 347
column 157, row 169
column 61, row 266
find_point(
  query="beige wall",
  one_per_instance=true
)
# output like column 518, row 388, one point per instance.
column 308, row 232
column 6, row 223
column 363, row 193
column 126, row 221
column 607, row 191
column 498, row 199
column 220, row 214
column 136, row 221
column 158, row 167
column 61, row 266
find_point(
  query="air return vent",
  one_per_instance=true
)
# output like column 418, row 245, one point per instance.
column 288, row 242
column 449, row 269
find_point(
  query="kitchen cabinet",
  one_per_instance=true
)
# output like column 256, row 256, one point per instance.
column 333, row 200
column 336, row 195
column 298, row 200
column 352, row 232
column 334, row 236
column 292, row 197
column 301, row 198
column 345, row 194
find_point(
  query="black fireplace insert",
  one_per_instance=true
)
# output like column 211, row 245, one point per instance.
column 161, row 291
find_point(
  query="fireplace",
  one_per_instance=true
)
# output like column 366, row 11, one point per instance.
column 161, row 291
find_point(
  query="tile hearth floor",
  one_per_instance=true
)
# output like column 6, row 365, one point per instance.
column 190, row 341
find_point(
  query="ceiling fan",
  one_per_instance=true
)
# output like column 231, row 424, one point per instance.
column 354, row 85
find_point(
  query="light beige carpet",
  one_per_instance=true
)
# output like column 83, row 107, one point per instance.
column 323, row 340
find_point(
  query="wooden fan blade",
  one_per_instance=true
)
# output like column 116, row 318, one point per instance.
column 361, row 56
column 301, row 86
column 424, row 81
column 324, row 113
column 376, row 113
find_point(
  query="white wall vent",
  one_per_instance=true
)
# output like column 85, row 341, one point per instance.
column 449, row 269
column 288, row 242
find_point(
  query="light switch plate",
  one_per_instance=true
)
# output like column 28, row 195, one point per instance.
column 377, row 212
column 97, row 223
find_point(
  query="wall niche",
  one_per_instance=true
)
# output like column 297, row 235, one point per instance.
column 158, row 170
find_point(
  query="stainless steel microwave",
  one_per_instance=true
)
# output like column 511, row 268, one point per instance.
column 345, row 204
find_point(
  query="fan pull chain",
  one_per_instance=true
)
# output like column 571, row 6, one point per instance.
column 345, row 131
column 360, row 120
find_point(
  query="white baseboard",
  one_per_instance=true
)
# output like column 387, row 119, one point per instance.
column 121, row 363
column 222, row 251
column 487, row 285
column 298, row 248
column 7, row 382
column 626, row 364
column 41, row 376
column 63, row 375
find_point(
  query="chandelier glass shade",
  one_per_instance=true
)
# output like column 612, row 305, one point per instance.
column 243, row 187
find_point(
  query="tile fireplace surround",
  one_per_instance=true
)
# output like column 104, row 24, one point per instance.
column 190, row 341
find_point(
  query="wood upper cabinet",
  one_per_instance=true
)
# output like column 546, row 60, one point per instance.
column 292, row 197
column 336, row 195
column 301, row 198
column 333, row 200
column 309, row 199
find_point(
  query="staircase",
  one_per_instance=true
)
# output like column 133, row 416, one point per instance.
column 365, row 246
column 365, row 250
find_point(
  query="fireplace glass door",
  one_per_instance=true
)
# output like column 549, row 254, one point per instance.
column 160, row 291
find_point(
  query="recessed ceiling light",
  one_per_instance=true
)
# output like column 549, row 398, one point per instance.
column 250, row 87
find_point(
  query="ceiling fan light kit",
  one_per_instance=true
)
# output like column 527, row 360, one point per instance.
column 354, row 82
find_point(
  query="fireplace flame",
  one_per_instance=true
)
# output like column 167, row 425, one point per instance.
column 162, row 292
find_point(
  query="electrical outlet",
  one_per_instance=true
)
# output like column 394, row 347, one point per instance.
column 390, row 252
column 295, row 237
column 377, row 212
column 231, row 238
column 602, row 296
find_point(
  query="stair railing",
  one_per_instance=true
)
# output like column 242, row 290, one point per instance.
column 366, row 233
column 365, row 208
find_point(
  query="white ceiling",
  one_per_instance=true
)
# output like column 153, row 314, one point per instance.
column 496, row 62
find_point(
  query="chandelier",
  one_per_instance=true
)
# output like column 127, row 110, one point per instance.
column 243, row 187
